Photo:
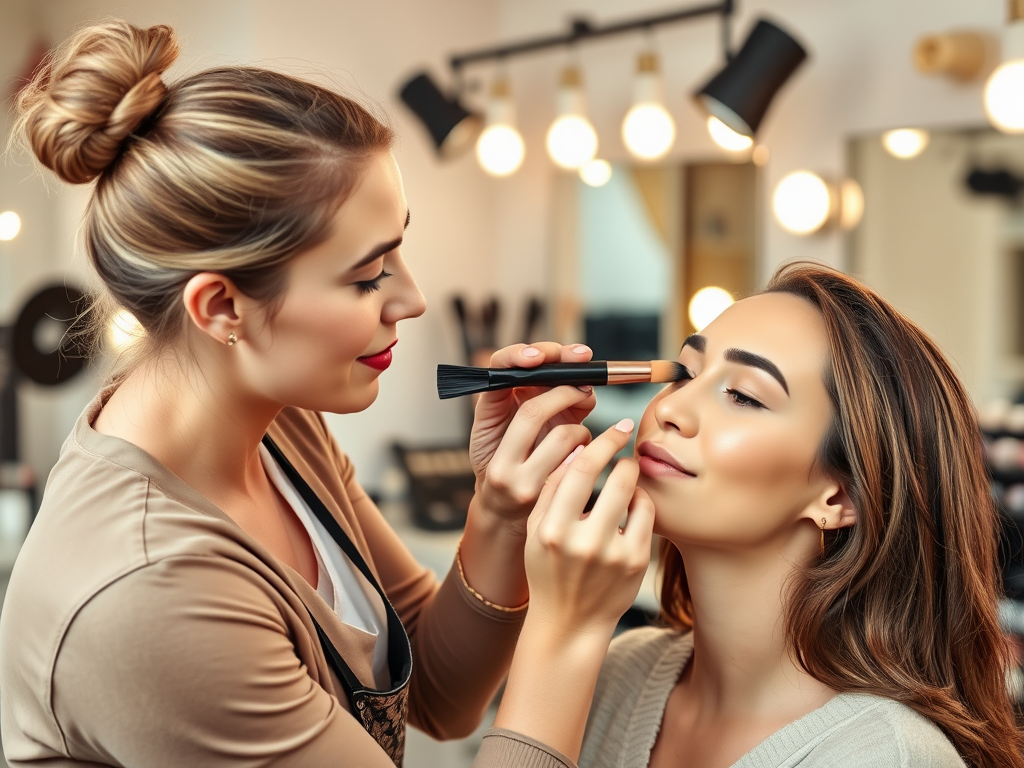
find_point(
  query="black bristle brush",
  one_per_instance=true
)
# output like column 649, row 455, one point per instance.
column 459, row 380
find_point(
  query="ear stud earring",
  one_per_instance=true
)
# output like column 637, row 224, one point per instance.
column 232, row 339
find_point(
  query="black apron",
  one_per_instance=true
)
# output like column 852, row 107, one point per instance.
column 382, row 713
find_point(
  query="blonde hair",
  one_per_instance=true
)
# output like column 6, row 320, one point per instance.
column 233, row 170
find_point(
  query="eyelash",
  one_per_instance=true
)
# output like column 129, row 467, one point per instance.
column 744, row 401
column 369, row 286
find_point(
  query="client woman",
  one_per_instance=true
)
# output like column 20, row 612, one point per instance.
column 829, row 563
column 206, row 584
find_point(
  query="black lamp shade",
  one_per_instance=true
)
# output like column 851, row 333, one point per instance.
column 452, row 127
column 739, row 95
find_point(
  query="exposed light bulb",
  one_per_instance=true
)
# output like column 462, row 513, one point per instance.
column 571, row 139
column 648, row 130
column 500, row 148
column 1004, row 97
column 851, row 204
column 905, row 143
column 10, row 225
column 124, row 330
column 707, row 304
column 596, row 173
column 726, row 137
column 802, row 202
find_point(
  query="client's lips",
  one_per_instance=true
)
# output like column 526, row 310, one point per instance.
column 658, row 462
column 379, row 360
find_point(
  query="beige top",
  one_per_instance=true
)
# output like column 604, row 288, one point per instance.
column 852, row 730
column 143, row 627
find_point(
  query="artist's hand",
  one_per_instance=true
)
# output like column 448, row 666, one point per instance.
column 583, row 570
column 521, row 435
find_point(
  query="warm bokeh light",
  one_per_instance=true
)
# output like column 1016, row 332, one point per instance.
column 905, row 143
column 761, row 155
column 648, row 131
column 124, row 330
column 596, row 173
column 851, row 204
column 571, row 142
column 801, row 202
column 1004, row 97
column 10, row 225
column 500, row 150
column 707, row 304
column 726, row 137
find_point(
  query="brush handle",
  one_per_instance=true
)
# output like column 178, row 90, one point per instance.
column 549, row 375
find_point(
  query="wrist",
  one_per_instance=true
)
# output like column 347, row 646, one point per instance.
column 491, row 522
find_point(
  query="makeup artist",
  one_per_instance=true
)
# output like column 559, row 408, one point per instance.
column 206, row 583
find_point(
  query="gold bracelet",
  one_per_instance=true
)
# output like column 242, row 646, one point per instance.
column 477, row 595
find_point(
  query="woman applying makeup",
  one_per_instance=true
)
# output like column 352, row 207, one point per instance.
column 206, row 583
column 829, row 565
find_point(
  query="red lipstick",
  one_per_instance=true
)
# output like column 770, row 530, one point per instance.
column 655, row 461
column 379, row 361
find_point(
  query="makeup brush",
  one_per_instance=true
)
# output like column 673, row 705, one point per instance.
column 458, row 380
column 462, row 315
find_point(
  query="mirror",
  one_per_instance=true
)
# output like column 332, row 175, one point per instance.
column 630, row 255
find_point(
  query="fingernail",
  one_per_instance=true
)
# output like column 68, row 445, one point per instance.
column 571, row 456
column 626, row 425
column 586, row 388
column 530, row 352
column 579, row 349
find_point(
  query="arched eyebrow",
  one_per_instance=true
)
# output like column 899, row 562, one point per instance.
column 380, row 250
column 741, row 356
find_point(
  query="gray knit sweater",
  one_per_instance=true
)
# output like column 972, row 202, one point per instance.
column 852, row 730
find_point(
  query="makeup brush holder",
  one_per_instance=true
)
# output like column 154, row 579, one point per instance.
column 441, row 484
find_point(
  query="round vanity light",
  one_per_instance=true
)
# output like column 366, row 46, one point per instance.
column 596, row 173
column 905, row 143
column 707, row 304
column 802, row 202
column 726, row 137
column 1004, row 97
column 10, row 225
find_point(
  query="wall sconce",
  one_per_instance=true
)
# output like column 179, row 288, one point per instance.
column 958, row 55
column 1004, row 91
column 740, row 94
column 648, row 130
column 500, row 148
column 451, row 126
column 571, row 139
column 905, row 143
column 804, row 203
column 10, row 225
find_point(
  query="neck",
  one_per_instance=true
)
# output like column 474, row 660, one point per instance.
column 197, row 422
column 743, row 663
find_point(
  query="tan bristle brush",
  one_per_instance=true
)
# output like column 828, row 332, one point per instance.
column 459, row 380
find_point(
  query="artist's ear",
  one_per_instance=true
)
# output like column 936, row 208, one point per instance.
column 212, row 302
column 833, row 504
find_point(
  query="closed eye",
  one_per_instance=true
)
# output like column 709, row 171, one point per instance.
column 744, row 401
column 369, row 286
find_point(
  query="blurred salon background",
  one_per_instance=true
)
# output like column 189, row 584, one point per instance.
column 608, row 171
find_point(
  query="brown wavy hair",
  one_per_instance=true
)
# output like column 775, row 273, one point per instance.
column 232, row 170
column 905, row 602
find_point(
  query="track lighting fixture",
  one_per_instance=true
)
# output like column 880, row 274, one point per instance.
column 648, row 130
column 571, row 139
column 500, row 148
column 451, row 126
column 739, row 95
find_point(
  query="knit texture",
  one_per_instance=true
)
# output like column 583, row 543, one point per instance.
column 852, row 730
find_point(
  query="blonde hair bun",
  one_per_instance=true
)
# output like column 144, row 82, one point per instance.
column 90, row 94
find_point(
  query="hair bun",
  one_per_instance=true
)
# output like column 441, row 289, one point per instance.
column 91, row 92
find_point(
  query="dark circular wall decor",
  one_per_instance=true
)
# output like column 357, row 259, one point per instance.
column 42, row 348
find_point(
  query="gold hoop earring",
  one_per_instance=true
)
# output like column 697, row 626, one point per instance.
column 232, row 339
column 823, row 538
